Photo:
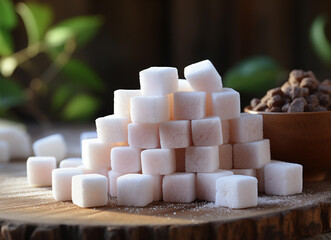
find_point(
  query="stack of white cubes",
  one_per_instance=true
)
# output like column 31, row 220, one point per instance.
column 177, row 140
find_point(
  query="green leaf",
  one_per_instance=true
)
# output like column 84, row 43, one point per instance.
column 37, row 18
column 6, row 43
column 81, row 107
column 80, row 73
column 11, row 94
column 61, row 95
column 8, row 18
column 319, row 40
column 81, row 29
column 253, row 76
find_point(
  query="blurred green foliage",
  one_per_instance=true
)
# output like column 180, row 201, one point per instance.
column 319, row 40
column 67, row 89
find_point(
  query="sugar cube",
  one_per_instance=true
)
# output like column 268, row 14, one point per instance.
column 61, row 182
column 246, row 172
column 225, row 104
column 96, row 154
column 112, row 182
column 4, row 151
column 158, row 161
column 125, row 159
column 89, row 190
column 203, row 76
column 53, row 145
column 180, row 159
column 251, row 155
column 112, row 129
column 144, row 135
column 236, row 191
column 122, row 101
column 184, row 86
column 189, row 105
column 179, row 187
column 246, row 128
column 135, row 190
column 149, row 109
column 101, row 171
column 70, row 162
column 282, row 178
column 207, row 131
column 206, row 184
column 39, row 170
column 19, row 142
column 175, row 134
column 158, row 81
column 225, row 131
column 201, row 159
column 225, row 156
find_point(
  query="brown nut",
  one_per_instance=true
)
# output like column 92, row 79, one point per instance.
column 285, row 86
column 326, row 82
column 265, row 98
column 275, row 91
column 275, row 101
column 260, row 107
column 275, row 109
column 298, row 105
column 325, row 88
column 254, row 102
column 295, row 77
column 312, row 100
column 320, row 108
column 293, row 92
column 324, row 100
column 285, row 107
column 310, row 83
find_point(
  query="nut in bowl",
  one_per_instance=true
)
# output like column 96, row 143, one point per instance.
column 303, row 138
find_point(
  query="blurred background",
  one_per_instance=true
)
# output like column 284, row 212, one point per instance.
column 80, row 51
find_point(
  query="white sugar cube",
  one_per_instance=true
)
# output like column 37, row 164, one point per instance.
column 246, row 128
column 189, row 105
column 206, row 184
column 158, row 161
column 125, row 159
column 19, row 142
column 184, row 86
column 251, row 155
column 157, row 187
column 225, row 131
column 135, row 190
column 149, row 109
column 202, row 159
column 207, row 131
column 245, row 172
column 4, row 151
column 282, row 178
column 112, row 182
column 89, row 190
column 144, row 135
column 61, row 182
column 225, row 156
column 180, row 159
column 179, row 187
column 122, row 101
column 226, row 104
column 96, row 154
column 39, row 170
column 203, row 76
column 101, row 171
column 158, row 81
column 53, row 145
column 236, row 191
column 71, row 162
column 112, row 129
column 175, row 134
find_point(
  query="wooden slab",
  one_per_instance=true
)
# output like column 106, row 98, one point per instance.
column 23, row 207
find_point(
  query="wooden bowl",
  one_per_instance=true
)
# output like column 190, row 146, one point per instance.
column 303, row 138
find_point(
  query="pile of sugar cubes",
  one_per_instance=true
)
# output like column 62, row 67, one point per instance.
column 175, row 140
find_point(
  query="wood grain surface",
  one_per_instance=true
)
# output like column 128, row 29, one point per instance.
column 32, row 213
